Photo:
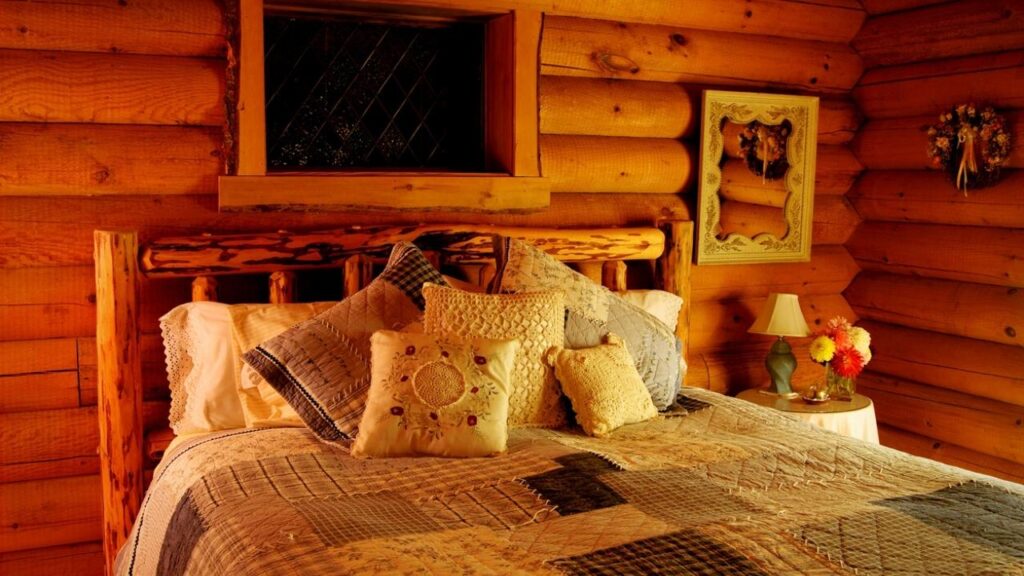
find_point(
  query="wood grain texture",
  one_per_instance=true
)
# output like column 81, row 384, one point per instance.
column 204, row 289
column 835, row 220
column 79, row 159
column 282, row 287
column 84, row 559
column 602, row 107
column 607, row 164
column 51, row 512
column 987, row 426
column 180, row 28
column 673, row 273
column 971, row 366
column 990, row 313
column 42, row 86
column 944, row 31
column 832, row 20
column 35, row 356
column 120, row 385
column 741, row 366
column 44, row 391
column 967, row 253
column 837, row 169
column 385, row 191
column 830, row 271
column 226, row 254
column 58, row 231
column 902, row 143
column 751, row 219
column 932, row 87
column 949, row 453
column 602, row 49
column 929, row 197
column 740, row 184
column 511, row 45
column 885, row 6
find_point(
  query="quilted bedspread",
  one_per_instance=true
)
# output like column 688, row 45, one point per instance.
column 717, row 486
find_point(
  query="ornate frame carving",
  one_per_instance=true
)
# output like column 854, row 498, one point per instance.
column 772, row 109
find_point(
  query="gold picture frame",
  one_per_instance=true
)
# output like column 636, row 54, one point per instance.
column 756, row 191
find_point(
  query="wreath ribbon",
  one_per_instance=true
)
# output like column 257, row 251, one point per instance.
column 966, row 139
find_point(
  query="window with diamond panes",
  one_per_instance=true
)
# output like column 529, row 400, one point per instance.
column 344, row 94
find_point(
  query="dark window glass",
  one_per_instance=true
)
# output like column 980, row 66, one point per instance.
column 344, row 94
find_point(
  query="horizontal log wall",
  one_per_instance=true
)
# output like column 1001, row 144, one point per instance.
column 111, row 115
column 940, row 291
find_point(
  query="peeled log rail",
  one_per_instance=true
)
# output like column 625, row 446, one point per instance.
column 929, row 197
column 460, row 244
column 991, row 313
column 932, row 87
column 608, row 164
column 602, row 49
column 110, row 88
column 751, row 219
column 835, row 220
column 740, row 184
column 967, row 365
column 607, row 107
column 79, row 159
column 949, row 453
column 181, row 28
column 967, row 253
column 600, row 107
column 902, row 143
column 831, row 20
column 58, row 232
column 829, row 271
column 987, row 426
column 722, row 323
column 950, row 30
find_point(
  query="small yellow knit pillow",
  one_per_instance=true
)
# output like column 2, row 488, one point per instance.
column 603, row 384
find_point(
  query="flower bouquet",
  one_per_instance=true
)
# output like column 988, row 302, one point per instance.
column 844, row 350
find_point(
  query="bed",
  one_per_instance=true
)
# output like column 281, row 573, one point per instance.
column 713, row 486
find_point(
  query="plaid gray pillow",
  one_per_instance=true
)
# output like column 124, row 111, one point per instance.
column 322, row 366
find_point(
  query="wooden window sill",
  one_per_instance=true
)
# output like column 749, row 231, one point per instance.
column 385, row 191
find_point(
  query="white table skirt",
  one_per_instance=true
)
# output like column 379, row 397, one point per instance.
column 854, row 423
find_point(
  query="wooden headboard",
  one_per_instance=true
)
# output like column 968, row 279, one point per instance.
column 122, row 263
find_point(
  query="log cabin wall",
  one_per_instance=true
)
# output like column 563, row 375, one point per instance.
column 112, row 113
column 940, row 292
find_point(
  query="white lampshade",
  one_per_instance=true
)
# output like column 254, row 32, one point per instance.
column 781, row 316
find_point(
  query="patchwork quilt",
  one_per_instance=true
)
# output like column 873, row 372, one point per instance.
column 717, row 486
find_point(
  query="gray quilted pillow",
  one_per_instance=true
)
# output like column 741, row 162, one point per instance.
column 322, row 366
column 592, row 312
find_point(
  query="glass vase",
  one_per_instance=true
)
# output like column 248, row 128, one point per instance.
column 839, row 387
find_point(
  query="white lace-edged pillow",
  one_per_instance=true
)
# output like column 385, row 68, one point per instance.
column 201, row 368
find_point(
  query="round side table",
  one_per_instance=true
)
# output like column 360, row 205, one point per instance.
column 854, row 418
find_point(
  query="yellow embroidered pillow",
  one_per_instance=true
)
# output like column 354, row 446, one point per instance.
column 436, row 396
column 535, row 319
column 603, row 385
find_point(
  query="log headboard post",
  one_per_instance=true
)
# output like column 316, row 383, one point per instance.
column 120, row 385
column 674, row 271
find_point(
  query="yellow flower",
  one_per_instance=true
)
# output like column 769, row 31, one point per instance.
column 822, row 349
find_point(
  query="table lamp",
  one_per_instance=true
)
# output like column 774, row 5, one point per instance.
column 781, row 316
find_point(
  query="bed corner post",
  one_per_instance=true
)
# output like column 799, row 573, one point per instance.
column 674, row 272
column 120, row 385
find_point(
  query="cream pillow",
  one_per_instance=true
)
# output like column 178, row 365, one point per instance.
column 200, row 368
column 603, row 385
column 662, row 305
column 251, row 325
column 536, row 320
column 436, row 396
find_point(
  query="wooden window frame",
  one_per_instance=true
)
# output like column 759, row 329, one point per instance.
column 511, row 125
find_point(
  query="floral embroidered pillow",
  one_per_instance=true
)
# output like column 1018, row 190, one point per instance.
column 436, row 396
column 603, row 385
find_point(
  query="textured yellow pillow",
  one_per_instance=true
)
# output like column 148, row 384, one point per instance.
column 437, row 396
column 535, row 319
column 251, row 325
column 603, row 385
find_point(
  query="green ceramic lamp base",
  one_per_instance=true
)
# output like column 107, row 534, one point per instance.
column 781, row 363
